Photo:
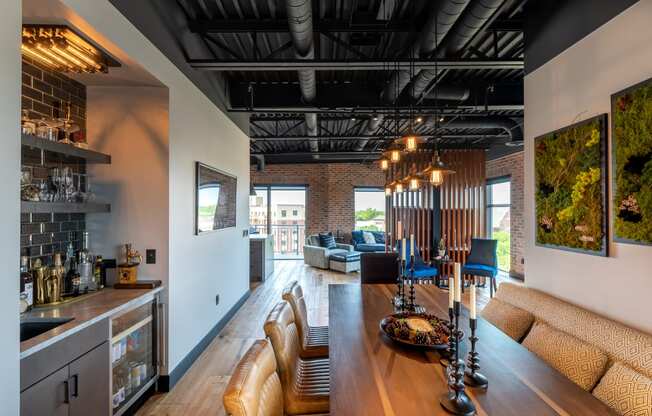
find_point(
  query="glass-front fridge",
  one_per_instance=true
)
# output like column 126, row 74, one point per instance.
column 134, row 354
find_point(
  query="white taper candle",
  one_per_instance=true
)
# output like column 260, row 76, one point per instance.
column 472, row 301
column 458, row 284
column 451, row 292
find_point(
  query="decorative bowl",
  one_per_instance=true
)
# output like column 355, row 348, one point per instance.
column 416, row 329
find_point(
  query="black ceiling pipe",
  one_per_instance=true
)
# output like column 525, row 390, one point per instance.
column 299, row 14
column 509, row 125
column 449, row 93
column 468, row 25
column 260, row 162
column 441, row 19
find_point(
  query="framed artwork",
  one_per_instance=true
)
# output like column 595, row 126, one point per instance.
column 631, row 157
column 570, row 171
column 215, row 199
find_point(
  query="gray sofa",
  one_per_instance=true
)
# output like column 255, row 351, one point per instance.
column 318, row 256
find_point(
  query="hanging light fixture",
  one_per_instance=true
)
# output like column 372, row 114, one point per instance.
column 411, row 141
column 384, row 164
column 388, row 190
column 414, row 182
column 437, row 170
column 393, row 153
column 398, row 187
column 61, row 49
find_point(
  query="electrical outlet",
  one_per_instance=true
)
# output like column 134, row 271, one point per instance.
column 150, row 256
column 217, row 299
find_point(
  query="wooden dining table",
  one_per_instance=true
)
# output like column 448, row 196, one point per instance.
column 372, row 375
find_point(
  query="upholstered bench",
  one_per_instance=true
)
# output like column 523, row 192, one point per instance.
column 345, row 262
column 607, row 358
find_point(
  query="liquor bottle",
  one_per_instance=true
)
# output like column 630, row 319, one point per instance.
column 85, row 266
column 97, row 273
column 26, row 282
column 55, row 280
column 72, row 278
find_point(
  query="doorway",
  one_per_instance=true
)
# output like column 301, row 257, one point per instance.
column 280, row 210
column 499, row 216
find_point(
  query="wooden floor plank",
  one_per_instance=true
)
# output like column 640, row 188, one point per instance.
column 199, row 392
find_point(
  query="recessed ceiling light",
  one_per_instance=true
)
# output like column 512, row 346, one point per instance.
column 419, row 119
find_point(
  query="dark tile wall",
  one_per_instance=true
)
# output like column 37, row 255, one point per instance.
column 45, row 94
column 42, row 235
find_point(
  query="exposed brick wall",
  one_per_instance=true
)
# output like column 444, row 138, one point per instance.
column 512, row 165
column 330, row 190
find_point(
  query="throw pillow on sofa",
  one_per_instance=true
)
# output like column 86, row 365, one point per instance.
column 511, row 320
column 626, row 391
column 357, row 238
column 368, row 237
column 379, row 236
column 327, row 240
column 582, row 363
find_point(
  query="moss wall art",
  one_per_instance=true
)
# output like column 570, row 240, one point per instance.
column 631, row 114
column 570, row 187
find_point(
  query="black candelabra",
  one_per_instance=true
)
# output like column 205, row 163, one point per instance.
column 450, row 351
column 456, row 401
column 472, row 377
column 411, row 306
column 399, row 299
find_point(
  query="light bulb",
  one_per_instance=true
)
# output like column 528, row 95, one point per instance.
column 395, row 156
column 414, row 184
column 388, row 191
column 410, row 143
column 384, row 164
column 399, row 188
column 436, row 177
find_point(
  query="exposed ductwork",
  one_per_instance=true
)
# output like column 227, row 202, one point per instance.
column 450, row 93
column 469, row 24
column 511, row 127
column 299, row 14
column 260, row 162
column 440, row 21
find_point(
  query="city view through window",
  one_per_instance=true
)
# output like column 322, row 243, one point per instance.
column 369, row 209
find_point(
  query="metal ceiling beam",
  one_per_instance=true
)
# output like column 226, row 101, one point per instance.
column 281, row 26
column 370, row 110
column 373, row 138
column 353, row 65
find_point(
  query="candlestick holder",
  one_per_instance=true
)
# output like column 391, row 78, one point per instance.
column 411, row 305
column 472, row 377
column 450, row 351
column 456, row 401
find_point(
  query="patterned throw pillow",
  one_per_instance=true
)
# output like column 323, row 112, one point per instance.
column 368, row 237
column 379, row 236
column 582, row 363
column 327, row 240
column 626, row 391
column 511, row 320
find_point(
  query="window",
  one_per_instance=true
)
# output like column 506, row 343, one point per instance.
column 284, row 213
column 295, row 212
column 498, row 221
column 369, row 206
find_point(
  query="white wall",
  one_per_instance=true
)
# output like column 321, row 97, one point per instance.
column 574, row 86
column 200, row 267
column 131, row 124
column 10, row 23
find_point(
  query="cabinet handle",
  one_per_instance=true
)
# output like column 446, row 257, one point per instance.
column 66, row 392
column 75, row 380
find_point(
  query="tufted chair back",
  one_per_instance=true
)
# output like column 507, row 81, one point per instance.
column 255, row 388
column 293, row 294
column 281, row 330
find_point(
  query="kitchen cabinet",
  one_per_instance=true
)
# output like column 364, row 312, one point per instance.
column 79, row 388
column 261, row 257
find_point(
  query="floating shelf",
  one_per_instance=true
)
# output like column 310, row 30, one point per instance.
column 88, row 207
column 90, row 156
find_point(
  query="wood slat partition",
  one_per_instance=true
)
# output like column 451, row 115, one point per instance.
column 461, row 200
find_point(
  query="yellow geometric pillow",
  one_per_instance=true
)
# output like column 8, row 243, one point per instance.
column 582, row 363
column 511, row 320
column 626, row 391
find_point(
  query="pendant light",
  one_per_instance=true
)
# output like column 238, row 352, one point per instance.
column 398, row 187
column 437, row 170
column 384, row 164
column 388, row 190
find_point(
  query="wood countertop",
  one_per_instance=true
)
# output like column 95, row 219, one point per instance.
column 86, row 311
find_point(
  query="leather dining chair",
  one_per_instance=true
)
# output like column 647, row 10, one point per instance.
column 483, row 261
column 305, row 382
column 314, row 339
column 255, row 388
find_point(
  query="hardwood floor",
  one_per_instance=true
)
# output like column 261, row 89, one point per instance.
column 199, row 392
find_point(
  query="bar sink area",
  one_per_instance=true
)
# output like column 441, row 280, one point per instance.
column 33, row 327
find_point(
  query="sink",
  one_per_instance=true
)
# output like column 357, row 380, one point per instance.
column 32, row 327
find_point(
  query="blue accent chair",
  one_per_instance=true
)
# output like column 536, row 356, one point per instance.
column 482, row 261
column 422, row 271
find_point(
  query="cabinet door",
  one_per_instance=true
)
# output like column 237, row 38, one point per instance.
column 47, row 397
column 89, row 383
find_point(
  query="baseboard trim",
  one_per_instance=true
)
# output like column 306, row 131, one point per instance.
column 167, row 382
column 518, row 276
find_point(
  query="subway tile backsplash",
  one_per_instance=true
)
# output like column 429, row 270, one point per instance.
column 42, row 235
